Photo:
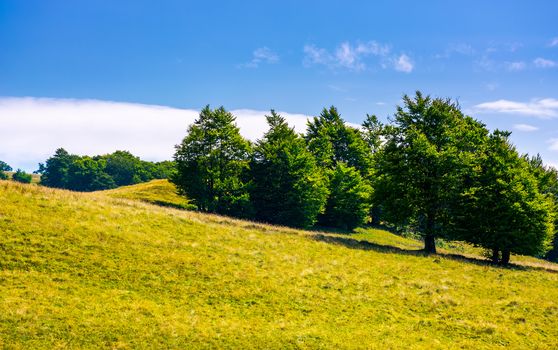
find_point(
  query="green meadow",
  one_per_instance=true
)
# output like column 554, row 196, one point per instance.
column 126, row 269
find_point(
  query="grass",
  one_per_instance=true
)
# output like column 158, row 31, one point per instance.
column 159, row 192
column 82, row 270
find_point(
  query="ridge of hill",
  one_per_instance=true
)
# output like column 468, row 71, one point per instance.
column 87, row 270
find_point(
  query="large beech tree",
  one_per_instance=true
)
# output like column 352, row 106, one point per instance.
column 504, row 208
column 212, row 164
column 420, row 170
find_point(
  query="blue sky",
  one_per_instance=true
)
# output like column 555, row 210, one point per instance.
column 498, row 58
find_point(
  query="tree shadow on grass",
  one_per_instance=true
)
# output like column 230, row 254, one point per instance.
column 353, row 243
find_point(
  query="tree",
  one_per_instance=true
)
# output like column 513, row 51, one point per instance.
column 212, row 164
column 87, row 174
column 332, row 141
column 547, row 178
column 287, row 186
column 348, row 205
column 125, row 168
column 372, row 131
column 420, row 170
column 504, row 210
column 4, row 167
column 55, row 172
column 22, row 176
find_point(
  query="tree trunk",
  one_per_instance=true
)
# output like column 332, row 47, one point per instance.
column 505, row 257
column 429, row 238
column 495, row 255
column 430, row 244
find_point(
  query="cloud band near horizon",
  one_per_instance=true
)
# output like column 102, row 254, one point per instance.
column 31, row 128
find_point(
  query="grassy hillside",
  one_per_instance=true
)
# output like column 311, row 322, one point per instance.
column 159, row 192
column 89, row 271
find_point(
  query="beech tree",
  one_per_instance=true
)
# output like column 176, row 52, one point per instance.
column 287, row 186
column 22, row 176
column 504, row 210
column 4, row 167
column 348, row 205
column 212, row 164
column 420, row 168
column 333, row 142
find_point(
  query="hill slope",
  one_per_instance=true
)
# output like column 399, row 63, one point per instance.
column 87, row 270
column 159, row 192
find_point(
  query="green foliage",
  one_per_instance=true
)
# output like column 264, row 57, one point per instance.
column 422, row 165
column 22, row 176
column 4, row 167
column 504, row 210
column 332, row 141
column 87, row 174
column 348, row 205
column 124, row 168
column 372, row 131
column 288, row 188
column 212, row 164
column 121, row 168
column 55, row 171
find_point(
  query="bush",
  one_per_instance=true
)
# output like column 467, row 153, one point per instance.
column 22, row 176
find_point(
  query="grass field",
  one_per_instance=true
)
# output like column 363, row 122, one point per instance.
column 159, row 192
column 82, row 270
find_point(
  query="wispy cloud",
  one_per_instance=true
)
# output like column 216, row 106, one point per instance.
column 515, row 66
column 355, row 57
column 525, row 127
column 32, row 128
column 553, row 42
column 460, row 49
column 553, row 145
column 259, row 56
column 544, row 63
column 542, row 108
column 404, row 64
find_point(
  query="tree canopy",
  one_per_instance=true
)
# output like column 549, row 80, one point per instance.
column 420, row 171
column 85, row 173
column 288, row 187
column 212, row 164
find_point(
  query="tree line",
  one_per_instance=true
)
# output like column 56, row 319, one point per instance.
column 102, row 172
column 19, row 175
column 432, row 170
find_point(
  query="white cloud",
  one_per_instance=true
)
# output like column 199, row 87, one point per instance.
column 553, row 42
column 404, row 64
column 515, row 66
column 32, row 128
column 543, row 108
column 346, row 55
column 544, row 63
column 553, row 145
column 261, row 55
column 525, row 127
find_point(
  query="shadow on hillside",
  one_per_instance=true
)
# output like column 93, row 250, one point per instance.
column 365, row 245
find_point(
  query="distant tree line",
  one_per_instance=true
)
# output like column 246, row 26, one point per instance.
column 85, row 173
column 432, row 170
column 19, row 175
